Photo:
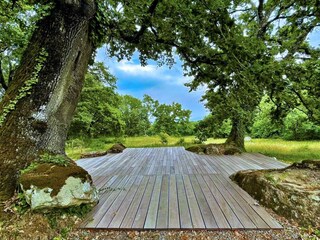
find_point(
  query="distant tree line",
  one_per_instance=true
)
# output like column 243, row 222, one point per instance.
column 295, row 125
column 103, row 112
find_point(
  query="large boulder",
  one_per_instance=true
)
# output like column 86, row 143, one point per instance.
column 199, row 149
column 48, row 185
column 117, row 148
column 215, row 149
column 211, row 149
column 293, row 192
column 93, row 154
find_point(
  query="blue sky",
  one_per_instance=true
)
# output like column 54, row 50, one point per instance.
column 162, row 83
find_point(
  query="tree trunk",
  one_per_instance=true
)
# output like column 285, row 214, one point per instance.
column 236, row 136
column 37, row 108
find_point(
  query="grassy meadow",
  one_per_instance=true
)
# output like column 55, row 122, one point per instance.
column 288, row 151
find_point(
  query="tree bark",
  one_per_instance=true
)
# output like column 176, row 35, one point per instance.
column 40, row 120
column 236, row 136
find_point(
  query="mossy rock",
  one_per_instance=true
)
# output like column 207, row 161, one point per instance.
column 196, row 149
column 311, row 164
column 93, row 154
column 117, row 148
column 47, row 185
column 215, row 149
column 292, row 192
column 211, row 149
column 53, row 176
column 231, row 150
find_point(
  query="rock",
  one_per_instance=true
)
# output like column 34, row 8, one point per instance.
column 214, row 149
column 211, row 149
column 311, row 164
column 293, row 192
column 196, row 149
column 232, row 150
column 52, row 186
column 93, row 154
column 117, row 148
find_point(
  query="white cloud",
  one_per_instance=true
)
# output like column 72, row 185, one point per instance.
column 136, row 69
column 173, row 76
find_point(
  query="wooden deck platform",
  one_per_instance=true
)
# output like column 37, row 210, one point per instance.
column 171, row 188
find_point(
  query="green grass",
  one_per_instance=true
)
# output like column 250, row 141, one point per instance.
column 76, row 147
column 288, row 151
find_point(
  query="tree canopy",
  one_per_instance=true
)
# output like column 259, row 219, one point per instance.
column 239, row 50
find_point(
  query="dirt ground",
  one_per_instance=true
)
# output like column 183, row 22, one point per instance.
column 31, row 226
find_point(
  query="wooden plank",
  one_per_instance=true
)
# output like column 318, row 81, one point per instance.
column 241, row 215
column 207, row 215
column 174, row 219
column 152, row 214
column 257, row 208
column 231, row 217
column 214, row 206
column 112, row 211
column 251, row 213
column 144, row 205
column 123, row 208
column 196, row 216
column 105, row 203
column 132, row 211
column 163, row 211
column 205, row 198
column 184, row 211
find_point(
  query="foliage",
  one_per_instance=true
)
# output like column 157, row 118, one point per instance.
column 32, row 166
column 164, row 138
column 103, row 143
column 181, row 142
column 294, row 126
column 98, row 110
column 103, row 112
column 20, row 204
column 297, row 126
column 168, row 118
column 135, row 116
column 210, row 127
column 54, row 159
column 17, row 20
column 26, row 89
column 240, row 50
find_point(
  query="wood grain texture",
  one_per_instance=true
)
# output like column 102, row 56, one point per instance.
column 170, row 188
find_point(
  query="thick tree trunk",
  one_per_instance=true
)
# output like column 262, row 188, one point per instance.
column 236, row 136
column 44, row 93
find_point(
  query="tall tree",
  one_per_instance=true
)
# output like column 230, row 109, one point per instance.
column 36, row 110
column 262, row 49
column 37, row 107
column 169, row 118
column 135, row 115
column 17, row 24
column 98, row 111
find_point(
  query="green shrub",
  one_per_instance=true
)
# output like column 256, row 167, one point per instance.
column 164, row 138
column 181, row 142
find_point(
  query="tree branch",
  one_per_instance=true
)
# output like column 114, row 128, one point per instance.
column 240, row 10
column 135, row 38
column 310, row 112
column 260, row 11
